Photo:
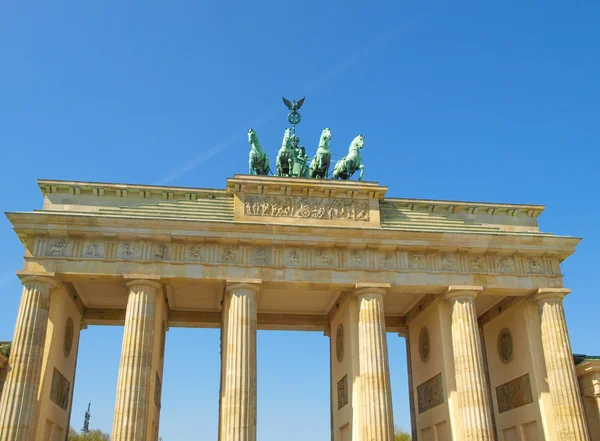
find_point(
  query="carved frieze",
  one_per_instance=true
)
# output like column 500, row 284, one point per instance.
column 417, row 261
column 309, row 256
column 307, row 208
column 515, row 393
column 387, row 260
column 58, row 248
column 93, row 249
column 128, row 250
column 160, row 251
column 60, row 390
column 342, row 389
column 293, row 258
column 448, row 262
column 195, row 252
column 430, row 394
column 261, row 256
column 506, row 264
column 535, row 265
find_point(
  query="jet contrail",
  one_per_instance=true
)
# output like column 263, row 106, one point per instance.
column 268, row 115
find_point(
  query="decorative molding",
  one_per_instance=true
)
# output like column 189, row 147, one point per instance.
column 305, row 255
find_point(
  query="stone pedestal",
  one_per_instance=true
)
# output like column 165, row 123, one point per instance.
column 471, row 387
column 376, row 421
column 562, row 380
column 238, row 397
column 18, row 410
column 135, row 372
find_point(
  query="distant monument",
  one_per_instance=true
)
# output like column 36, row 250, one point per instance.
column 86, row 421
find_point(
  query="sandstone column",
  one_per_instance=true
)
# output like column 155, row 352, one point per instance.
column 238, row 402
column 135, row 372
column 562, row 380
column 18, row 407
column 471, row 387
column 376, row 421
column 411, row 397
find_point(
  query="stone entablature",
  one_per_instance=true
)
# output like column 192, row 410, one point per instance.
column 252, row 251
column 274, row 200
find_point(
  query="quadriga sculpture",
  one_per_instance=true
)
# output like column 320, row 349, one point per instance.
column 345, row 167
column 284, row 157
column 319, row 167
column 259, row 162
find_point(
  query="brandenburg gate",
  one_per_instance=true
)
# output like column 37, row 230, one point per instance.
column 475, row 289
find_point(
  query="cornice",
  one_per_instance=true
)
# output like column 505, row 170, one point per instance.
column 503, row 243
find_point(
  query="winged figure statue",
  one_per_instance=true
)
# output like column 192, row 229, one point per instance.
column 293, row 106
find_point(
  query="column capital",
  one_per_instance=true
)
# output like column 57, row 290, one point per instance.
column 142, row 280
column 457, row 291
column 249, row 284
column 543, row 294
column 362, row 289
column 47, row 279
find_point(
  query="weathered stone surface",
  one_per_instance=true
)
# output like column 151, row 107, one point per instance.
column 19, row 396
column 135, row 371
column 562, row 380
column 515, row 393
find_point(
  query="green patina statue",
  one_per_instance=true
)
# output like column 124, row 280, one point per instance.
column 345, row 167
column 259, row 162
column 299, row 159
column 284, row 157
column 319, row 166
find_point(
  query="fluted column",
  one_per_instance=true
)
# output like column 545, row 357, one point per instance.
column 135, row 372
column 411, row 398
column 376, row 419
column 18, row 406
column 238, row 402
column 471, row 386
column 562, row 379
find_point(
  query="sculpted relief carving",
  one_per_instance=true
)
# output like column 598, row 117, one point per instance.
column 430, row 394
column 505, row 345
column 58, row 248
column 312, row 255
column 59, row 390
column 515, row 393
column 307, row 208
column 342, row 392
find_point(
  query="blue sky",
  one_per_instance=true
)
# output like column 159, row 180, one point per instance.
column 458, row 100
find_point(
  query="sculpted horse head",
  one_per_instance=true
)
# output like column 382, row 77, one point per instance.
column 319, row 167
column 357, row 143
column 325, row 138
column 345, row 167
column 284, row 156
column 258, row 161
column 253, row 138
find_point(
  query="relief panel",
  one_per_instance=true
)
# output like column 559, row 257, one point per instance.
column 307, row 208
column 59, row 390
column 93, row 249
column 514, row 394
column 342, row 388
column 430, row 394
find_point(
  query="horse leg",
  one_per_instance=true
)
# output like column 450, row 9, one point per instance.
column 250, row 166
column 362, row 172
